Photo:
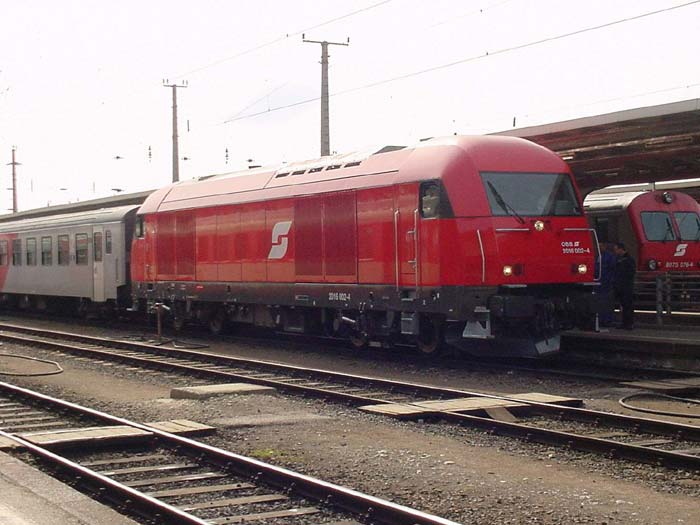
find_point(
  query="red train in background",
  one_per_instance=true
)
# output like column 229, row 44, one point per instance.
column 478, row 241
column 661, row 228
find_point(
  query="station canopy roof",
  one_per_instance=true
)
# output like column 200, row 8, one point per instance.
column 649, row 144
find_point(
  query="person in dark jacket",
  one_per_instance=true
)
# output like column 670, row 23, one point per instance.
column 607, row 276
column 623, row 283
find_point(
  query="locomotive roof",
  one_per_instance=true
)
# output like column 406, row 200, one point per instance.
column 446, row 158
column 90, row 217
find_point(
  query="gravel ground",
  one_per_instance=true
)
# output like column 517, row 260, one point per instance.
column 462, row 474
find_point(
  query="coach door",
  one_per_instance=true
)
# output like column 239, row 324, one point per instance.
column 98, row 269
column 406, row 224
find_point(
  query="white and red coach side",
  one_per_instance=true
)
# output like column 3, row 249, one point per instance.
column 470, row 238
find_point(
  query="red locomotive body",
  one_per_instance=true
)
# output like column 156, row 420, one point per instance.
column 660, row 228
column 470, row 239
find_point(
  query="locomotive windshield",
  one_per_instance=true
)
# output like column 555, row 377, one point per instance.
column 530, row 194
column 658, row 226
column 688, row 225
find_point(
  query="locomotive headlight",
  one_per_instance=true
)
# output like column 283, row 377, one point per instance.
column 582, row 268
column 652, row 264
column 667, row 197
column 507, row 270
column 539, row 226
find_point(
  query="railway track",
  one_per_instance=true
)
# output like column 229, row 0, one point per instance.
column 160, row 477
column 641, row 439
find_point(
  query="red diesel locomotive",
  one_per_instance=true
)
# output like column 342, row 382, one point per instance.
column 464, row 239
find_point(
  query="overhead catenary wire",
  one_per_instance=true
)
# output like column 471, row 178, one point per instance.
column 473, row 58
column 281, row 38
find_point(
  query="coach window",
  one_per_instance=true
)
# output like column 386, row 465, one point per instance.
column 31, row 252
column 81, row 248
column 46, row 251
column 17, row 252
column 108, row 242
column 3, row 253
column 688, row 224
column 63, row 250
column 430, row 200
column 658, row 226
column 97, row 246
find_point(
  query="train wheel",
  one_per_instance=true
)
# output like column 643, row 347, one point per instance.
column 429, row 341
column 359, row 341
column 217, row 322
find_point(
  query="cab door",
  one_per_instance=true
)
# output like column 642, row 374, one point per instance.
column 98, row 269
column 406, row 224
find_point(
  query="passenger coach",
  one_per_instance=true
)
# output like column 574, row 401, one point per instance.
column 470, row 239
column 78, row 259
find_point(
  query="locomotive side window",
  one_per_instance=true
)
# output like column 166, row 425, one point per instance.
column 81, row 248
column 108, row 242
column 658, row 226
column 97, row 246
column 139, row 229
column 63, row 250
column 17, row 252
column 46, row 251
column 3, row 253
column 688, row 224
column 530, row 194
column 429, row 200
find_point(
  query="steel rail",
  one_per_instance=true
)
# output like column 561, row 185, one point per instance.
column 581, row 442
column 144, row 504
column 376, row 509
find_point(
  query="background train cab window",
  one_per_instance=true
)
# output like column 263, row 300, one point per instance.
column 429, row 200
column 606, row 229
column 81, row 248
column 3, row 253
column 139, row 229
column 46, row 251
column 63, row 250
column 688, row 224
column 658, row 226
column 530, row 194
column 17, row 252
column 31, row 252
column 97, row 246
column 108, row 242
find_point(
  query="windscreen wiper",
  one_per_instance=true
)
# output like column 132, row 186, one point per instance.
column 669, row 229
column 503, row 204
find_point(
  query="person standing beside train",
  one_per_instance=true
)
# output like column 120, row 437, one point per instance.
column 623, row 282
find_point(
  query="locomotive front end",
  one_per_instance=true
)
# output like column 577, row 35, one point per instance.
column 537, row 252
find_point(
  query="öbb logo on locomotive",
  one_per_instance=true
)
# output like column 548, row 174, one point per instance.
column 280, row 240
column 680, row 250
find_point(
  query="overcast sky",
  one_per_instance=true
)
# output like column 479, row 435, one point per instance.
column 81, row 81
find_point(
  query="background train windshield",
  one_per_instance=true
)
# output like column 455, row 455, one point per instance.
column 657, row 226
column 534, row 194
column 688, row 225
